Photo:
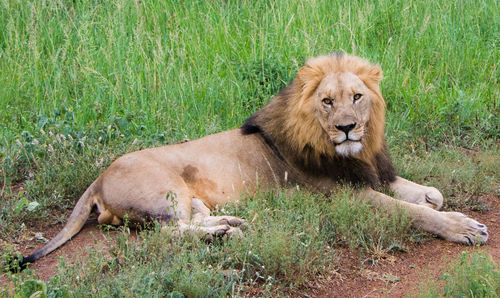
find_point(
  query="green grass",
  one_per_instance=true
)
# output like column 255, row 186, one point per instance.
column 472, row 275
column 82, row 82
column 461, row 176
column 290, row 241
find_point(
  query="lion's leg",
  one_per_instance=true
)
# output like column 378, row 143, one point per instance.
column 142, row 191
column 201, row 218
column 201, row 215
column 208, row 233
column 185, row 224
column 206, row 226
column 417, row 194
column 452, row 226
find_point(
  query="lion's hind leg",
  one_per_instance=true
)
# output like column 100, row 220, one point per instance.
column 210, row 227
column 201, row 215
column 417, row 194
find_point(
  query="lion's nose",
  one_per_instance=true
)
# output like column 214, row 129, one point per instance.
column 346, row 128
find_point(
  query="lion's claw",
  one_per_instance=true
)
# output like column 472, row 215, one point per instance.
column 463, row 229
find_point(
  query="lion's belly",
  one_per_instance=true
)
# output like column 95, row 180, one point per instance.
column 217, row 181
column 216, row 169
column 229, row 166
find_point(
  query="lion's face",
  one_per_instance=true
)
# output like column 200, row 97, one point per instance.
column 333, row 107
column 342, row 105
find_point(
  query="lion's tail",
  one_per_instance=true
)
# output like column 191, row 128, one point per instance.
column 75, row 223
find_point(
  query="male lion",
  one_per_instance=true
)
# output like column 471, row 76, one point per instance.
column 326, row 127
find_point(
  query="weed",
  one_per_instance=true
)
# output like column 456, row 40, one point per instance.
column 361, row 227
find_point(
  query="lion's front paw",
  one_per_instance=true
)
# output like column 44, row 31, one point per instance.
column 431, row 197
column 417, row 194
column 465, row 230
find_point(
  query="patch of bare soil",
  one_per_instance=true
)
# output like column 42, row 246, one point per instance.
column 394, row 276
column 46, row 266
column 401, row 274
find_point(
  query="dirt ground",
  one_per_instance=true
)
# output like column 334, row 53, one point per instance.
column 400, row 274
column 395, row 275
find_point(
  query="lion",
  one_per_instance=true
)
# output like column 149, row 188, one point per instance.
column 323, row 129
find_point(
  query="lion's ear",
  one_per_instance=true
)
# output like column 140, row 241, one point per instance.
column 307, row 75
column 374, row 74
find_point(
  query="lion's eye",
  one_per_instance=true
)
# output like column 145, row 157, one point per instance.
column 327, row 101
column 357, row 96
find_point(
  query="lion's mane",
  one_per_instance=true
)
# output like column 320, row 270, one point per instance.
column 289, row 125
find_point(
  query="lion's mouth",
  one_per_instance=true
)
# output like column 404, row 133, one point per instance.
column 348, row 147
column 346, row 141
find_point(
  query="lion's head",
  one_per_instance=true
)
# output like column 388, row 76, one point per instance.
column 333, row 109
column 342, row 93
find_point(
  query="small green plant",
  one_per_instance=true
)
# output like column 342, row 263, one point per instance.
column 19, row 285
column 473, row 275
column 32, row 288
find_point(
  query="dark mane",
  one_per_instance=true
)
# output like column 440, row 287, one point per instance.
column 351, row 170
column 250, row 126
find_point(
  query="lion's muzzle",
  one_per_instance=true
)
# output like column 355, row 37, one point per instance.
column 347, row 133
column 347, row 139
column 346, row 128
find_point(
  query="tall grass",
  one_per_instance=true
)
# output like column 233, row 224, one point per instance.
column 191, row 67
